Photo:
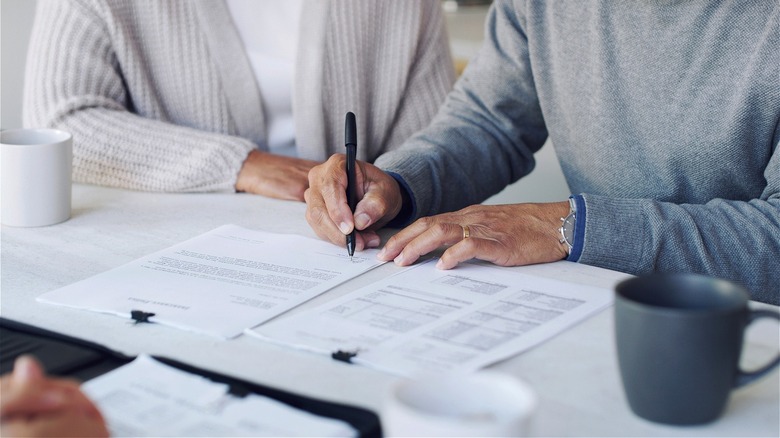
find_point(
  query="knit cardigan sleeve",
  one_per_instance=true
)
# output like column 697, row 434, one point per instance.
column 75, row 82
column 159, row 96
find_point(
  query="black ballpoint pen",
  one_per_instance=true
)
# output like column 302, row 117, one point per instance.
column 350, row 140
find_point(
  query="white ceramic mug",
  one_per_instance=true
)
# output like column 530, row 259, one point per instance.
column 35, row 177
column 480, row 404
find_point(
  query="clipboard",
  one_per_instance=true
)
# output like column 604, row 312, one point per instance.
column 67, row 356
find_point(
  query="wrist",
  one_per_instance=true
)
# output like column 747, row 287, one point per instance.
column 244, row 178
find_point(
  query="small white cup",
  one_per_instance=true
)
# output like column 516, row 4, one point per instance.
column 479, row 404
column 35, row 177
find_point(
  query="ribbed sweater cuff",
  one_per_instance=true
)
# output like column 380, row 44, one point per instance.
column 579, row 229
column 408, row 209
column 601, row 245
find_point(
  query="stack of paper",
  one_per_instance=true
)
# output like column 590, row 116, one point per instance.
column 148, row 398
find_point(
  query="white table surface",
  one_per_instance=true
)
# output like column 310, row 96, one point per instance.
column 575, row 374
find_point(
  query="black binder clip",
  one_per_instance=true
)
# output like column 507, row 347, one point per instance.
column 344, row 356
column 140, row 316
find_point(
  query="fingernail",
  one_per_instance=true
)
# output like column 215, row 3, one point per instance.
column 439, row 265
column 381, row 255
column 344, row 227
column 25, row 369
column 362, row 221
column 399, row 259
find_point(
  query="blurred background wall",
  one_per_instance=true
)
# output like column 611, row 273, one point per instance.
column 16, row 17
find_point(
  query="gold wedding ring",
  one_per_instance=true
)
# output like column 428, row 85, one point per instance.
column 466, row 231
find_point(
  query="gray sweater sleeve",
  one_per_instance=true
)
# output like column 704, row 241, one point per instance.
column 736, row 240
column 484, row 135
column 664, row 196
column 74, row 82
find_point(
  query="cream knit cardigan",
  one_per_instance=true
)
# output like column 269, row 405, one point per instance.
column 160, row 96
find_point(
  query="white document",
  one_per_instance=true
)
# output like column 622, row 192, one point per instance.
column 149, row 398
column 428, row 320
column 220, row 282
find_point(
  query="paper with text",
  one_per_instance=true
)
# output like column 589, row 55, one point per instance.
column 424, row 319
column 220, row 282
column 149, row 398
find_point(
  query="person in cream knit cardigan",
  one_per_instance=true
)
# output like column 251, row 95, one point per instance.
column 165, row 96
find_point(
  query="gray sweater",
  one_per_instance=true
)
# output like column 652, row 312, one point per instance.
column 160, row 95
column 665, row 117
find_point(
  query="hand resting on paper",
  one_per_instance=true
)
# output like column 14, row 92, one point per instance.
column 506, row 235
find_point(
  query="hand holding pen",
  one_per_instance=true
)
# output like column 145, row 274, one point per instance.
column 328, row 210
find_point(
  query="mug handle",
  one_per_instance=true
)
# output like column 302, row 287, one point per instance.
column 743, row 377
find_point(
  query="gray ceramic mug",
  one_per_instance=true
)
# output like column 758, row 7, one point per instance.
column 679, row 338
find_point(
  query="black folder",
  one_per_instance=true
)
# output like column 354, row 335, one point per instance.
column 67, row 356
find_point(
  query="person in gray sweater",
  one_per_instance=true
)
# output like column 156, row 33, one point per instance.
column 168, row 95
column 665, row 117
